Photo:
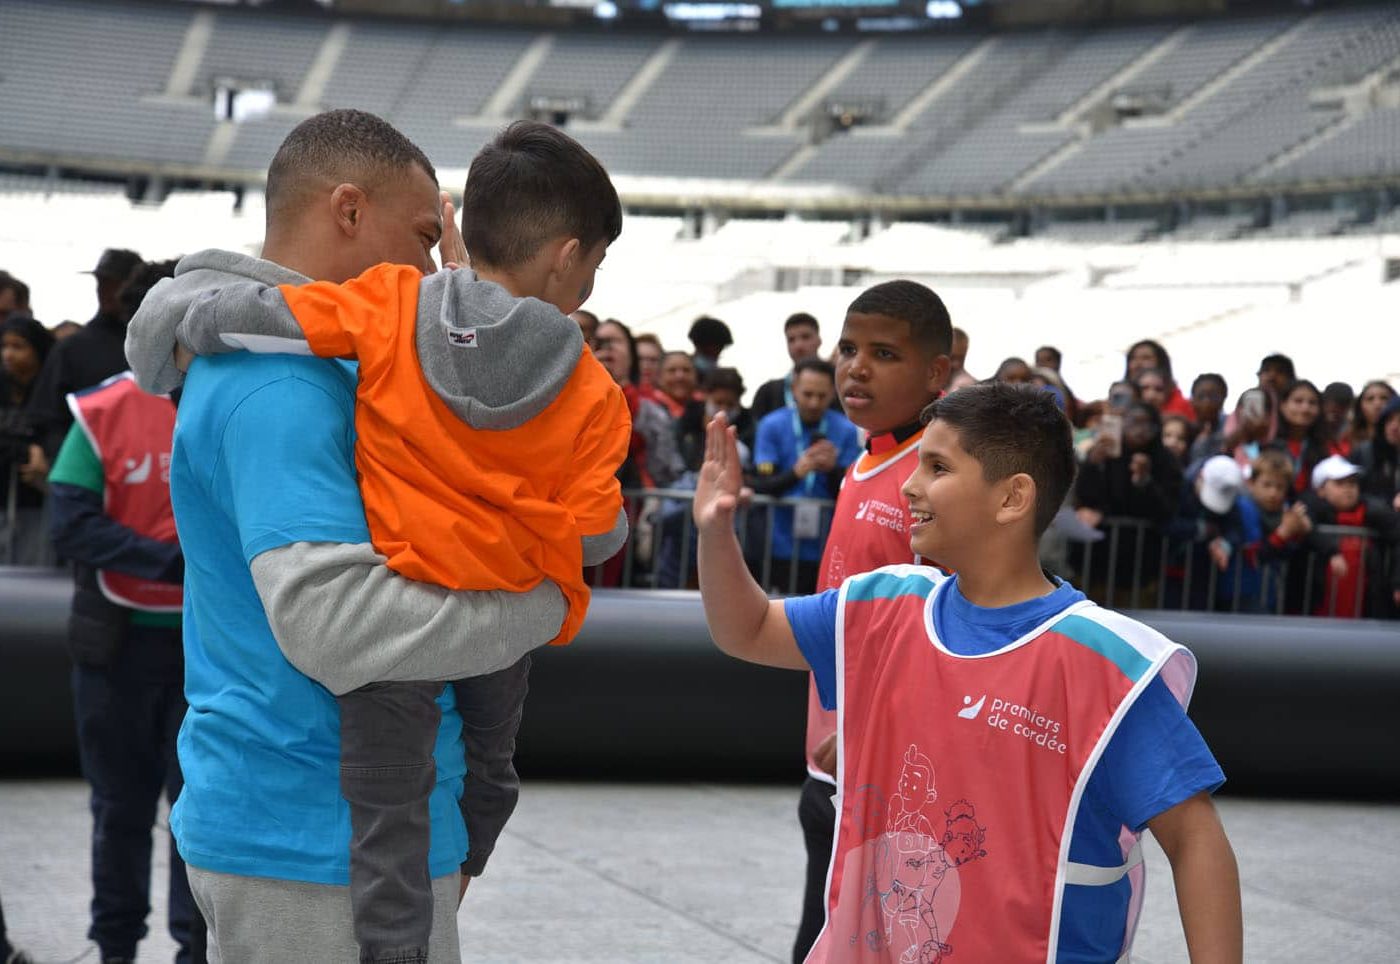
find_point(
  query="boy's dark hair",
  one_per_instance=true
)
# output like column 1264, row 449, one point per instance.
column 801, row 318
column 710, row 331
column 725, row 378
column 338, row 146
column 914, row 304
column 1012, row 429
column 1211, row 377
column 1280, row 363
column 1272, row 462
column 820, row 365
column 533, row 183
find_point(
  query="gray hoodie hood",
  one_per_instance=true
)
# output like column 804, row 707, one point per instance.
column 150, row 337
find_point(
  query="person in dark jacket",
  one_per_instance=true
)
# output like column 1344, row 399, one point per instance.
column 1353, row 574
column 1379, row 458
column 24, row 344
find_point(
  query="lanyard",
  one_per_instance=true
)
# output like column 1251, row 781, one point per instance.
column 809, row 483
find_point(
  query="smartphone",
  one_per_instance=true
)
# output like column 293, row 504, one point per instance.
column 1111, row 427
column 1254, row 406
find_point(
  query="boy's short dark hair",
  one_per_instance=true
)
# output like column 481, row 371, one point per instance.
column 801, row 318
column 533, row 183
column 1014, row 429
column 707, row 331
column 914, row 304
column 1279, row 363
column 722, row 378
column 1271, row 462
column 820, row 365
column 339, row 146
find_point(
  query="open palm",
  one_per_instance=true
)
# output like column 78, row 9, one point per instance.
column 717, row 491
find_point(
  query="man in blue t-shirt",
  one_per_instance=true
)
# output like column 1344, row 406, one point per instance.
column 286, row 601
column 802, row 451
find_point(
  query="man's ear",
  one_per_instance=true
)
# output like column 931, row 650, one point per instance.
column 565, row 256
column 347, row 208
column 939, row 367
column 1018, row 497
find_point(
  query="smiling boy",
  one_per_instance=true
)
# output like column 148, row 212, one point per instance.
column 1055, row 730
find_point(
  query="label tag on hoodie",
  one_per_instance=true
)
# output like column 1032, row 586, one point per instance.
column 462, row 337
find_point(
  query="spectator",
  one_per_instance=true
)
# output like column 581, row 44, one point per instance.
column 723, row 390
column 1260, row 537
column 1142, row 482
column 1208, row 394
column 804, row 340
column 587, row 323
column 24, row 344
column 1365, row 416
column 649, row 352
column 1176, row 437
column 1355, row 575
column 1050, row 380
column 1337, row 400
column 678, row 383
column 117, row 526
column 65, row 329
column 1276, row 373
column 652, row 462
column 1146, row 355
column 14, row 296
column 1251, row 427
column 93, row 354
column 958, row 356
column 802, row 451
column 1151, row 384
column 1302, row 434
column 1380, row 458
column 710, row 336
column 1048, row 356
column 1121, row 394
column 1013, row 371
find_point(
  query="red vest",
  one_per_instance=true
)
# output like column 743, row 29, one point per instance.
column 869, row 529
column 131, row 431
column 960, row 777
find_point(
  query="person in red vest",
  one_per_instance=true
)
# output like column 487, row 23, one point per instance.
column 110, row 501
column 1002, row 741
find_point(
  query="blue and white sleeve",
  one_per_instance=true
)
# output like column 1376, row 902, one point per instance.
column 813, row 621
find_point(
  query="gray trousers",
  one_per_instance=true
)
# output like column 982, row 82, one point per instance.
column 387, row 734
column 256, row 920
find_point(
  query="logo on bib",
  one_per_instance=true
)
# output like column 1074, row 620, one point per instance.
column 971, row 709
column 462, row 337
column 137, row 472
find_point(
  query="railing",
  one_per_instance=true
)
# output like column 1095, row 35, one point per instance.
column 1135, row 565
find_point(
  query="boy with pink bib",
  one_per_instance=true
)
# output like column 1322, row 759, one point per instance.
column 1003, row 742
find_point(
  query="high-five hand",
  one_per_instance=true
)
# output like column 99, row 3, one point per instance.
column 717, row 491
column 452, row 250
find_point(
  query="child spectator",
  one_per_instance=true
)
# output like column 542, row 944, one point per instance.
column 1302, row 435
column 723, row 390
column 678, row 383
column 802, row 451
column 1176, row 437
column 1148, row 355
column 475, row 394
column 1355, row 575
column 891, row 361
column 709, row 336
column 1260, row 536
column 1208, row 394
column 1013, row 371
column 1337, row 400
column 1003, row 740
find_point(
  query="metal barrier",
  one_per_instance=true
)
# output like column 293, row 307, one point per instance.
column 660, row 553
column 1139, row 566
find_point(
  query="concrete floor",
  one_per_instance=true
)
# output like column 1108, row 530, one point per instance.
column 700, row 873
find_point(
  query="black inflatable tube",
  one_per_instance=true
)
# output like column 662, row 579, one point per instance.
column 1291, row 706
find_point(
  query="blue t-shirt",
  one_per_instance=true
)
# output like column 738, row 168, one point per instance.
column 775, row 451
column 263, row 457
column 1155, row 760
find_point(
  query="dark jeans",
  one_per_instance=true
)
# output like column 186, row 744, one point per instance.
column 128, row 714
column 817, row 814
column 387, row 734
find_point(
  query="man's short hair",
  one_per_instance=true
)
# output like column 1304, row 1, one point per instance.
column 799, row 319
column 339, row 147
column 819, row 365
column 1279, row 363
column 1339, row 393
column 1012, row 429
column 1052, row 351
column 532, row 184
column 711, row 332
column 914, row 304
column 722, row 378
column 1215, row 377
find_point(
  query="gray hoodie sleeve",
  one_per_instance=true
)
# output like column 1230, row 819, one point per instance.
column 345, row 619
column 246, row 316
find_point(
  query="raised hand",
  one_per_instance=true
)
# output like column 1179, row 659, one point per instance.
column 452, row 250
column 721, row 478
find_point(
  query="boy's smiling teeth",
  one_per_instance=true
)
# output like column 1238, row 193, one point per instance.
column 919, row 516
